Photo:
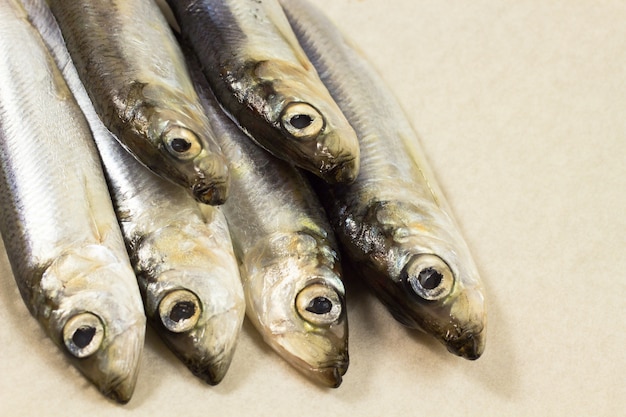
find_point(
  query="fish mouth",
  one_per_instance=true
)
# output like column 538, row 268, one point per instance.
column 344, row 172
column 121, row 391
column 470, row 346
column 328, row 372
column 213, row 193
column 211, row 372
column 331, row 376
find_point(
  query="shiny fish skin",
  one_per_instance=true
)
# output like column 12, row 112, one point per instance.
column 393, row 219
column 58, row 225
column 266, row 84
column 179, row 259
column 135, row 75
column 287, row 254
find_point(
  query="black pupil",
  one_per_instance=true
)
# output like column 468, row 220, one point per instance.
column 182, row 310
column 300, row 121
column 320, row 305
column 180, row 145
column 429, row 278
column 83, row 336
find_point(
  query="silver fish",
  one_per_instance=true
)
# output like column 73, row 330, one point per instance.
column 262, row 78
column 288, row 257
column 186, row 268
column 135, row 75
column 393, row 220
column 185, row 265
column 58, row 225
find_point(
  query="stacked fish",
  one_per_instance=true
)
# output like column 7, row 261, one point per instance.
column 253, row 103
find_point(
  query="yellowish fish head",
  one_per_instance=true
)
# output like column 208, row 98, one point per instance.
column 314, row 133
column 296, row 300
column 444, row 303
column 99, row 325
column 198, row 313
column 425, row 275
column 192, row 157
column 315, row 342
column 329, row 150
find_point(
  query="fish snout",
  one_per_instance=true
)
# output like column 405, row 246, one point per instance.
column 210, row 370
column 212, row 183
column 213, row 193
column 332, row 376
column 343, row 172
column 114, row 370
column 120, row 391
column 469, row 346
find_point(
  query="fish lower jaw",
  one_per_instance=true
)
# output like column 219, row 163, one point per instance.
column 332, row 376
column 211, row 373
column 328, row 374
column 120, row 392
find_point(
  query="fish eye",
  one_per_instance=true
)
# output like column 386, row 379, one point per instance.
column 302, row 121
column 182, row 143
column 179, row 311
column 83, row 334
column 319, row 304
column 429, row 277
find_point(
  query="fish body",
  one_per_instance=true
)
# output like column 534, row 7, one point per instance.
column 288, row 257
column 58, row 225
column 184, row 262
column 135, row 75
column 265, row 82
column 393, row 220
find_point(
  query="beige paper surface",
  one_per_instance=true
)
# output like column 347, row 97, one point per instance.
column 521, row 107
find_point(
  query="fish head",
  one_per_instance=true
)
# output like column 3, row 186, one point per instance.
column 329, row 146
column 198, row 312
column 192, row 157
column 318, row 137
column 296, row 300
column 443, row 301
column 100, row 326
column 193, row 295
column 427, row 278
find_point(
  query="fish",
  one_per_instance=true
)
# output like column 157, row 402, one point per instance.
column 134, row 73
column 184, row 262
column 288, row 257
column 393, row 220
column 265, row 83
column 58, row 225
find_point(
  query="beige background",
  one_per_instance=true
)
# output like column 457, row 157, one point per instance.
column 521, row 107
